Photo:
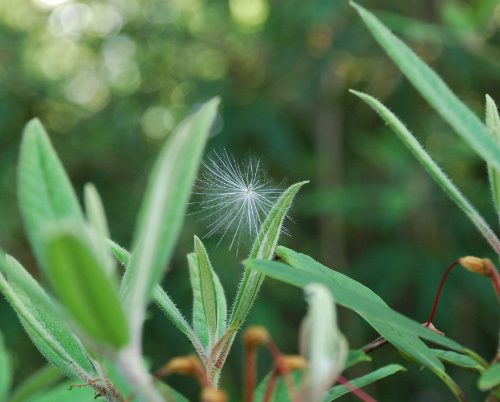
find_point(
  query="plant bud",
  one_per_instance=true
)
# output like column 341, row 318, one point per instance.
column 213, row 395
column 293, row 362
column 255, row 336
column 477, row 265
column 185, row 365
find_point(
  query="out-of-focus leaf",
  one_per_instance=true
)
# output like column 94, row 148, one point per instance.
column 356, row 356
column 432, row 168
column 42, row 320
column 198, row 315
column 5, row 370
column 163, row 210
column 280, row 393
column 36, row 383
column 360, row 382
column 490, row 378
column 99, row 231
column 434, row 90
column 44, row 190
column 81, row 282
column 62, row 393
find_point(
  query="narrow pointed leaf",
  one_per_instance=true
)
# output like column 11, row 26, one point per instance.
column 44, row 190
column 458, row 359
column 163, row 210
column 493, row 124
column 99, row 231
column 263, row 249
column 5, row 370
column 434, row 90
column 42, row 320
column 360, row 382
column 162, row 300
column 209, row 296
column 432, row 168
column 198, row 315
column 87, row 292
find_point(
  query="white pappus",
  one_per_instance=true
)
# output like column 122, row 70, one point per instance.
column 235, row 199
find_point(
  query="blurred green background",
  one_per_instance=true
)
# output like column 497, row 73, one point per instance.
column 110, row 79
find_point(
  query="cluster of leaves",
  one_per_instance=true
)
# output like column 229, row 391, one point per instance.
column 90, row 326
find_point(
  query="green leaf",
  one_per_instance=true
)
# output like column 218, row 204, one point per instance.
column 5, row 370
column 36, row 383
column 458, row 359
column 399, row 330
column 490, row 378
column 43, row 321
column 355, row 357
column 163, row 210
column 360, row 382
column 263, row 248
column 434, row 90
column 493, row 123
column 162, row 300
column 44, row 190
column 432, row 168
column 99, row 231
column 212, row 294
column 83, row 286
column 62, row 393
column 198, row 315
column 280, row 393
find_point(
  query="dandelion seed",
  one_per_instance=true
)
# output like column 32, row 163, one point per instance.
column 234, row 200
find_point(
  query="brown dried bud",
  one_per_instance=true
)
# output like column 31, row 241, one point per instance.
column 186, row 365
column 293, row 362
column 255, row 336
column 482, row 266
column 213, row 395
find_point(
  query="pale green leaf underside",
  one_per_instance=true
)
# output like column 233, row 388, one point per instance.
column 42, row 320
column 44, row 190
column 434, row 90
column 163, row 210
column 198, row 315
column 81, row 282
column 432, row 168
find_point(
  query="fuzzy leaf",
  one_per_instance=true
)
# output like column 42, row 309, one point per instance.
column 490, row 378
column 198, row 315
column 434, row 90
column 44, row 190
column 163, row 210
column 36, row 383
column 213, row 308
column 5, row 370
column 493, row 123
column 62, row 393
column 99, row 231
column 42, row 320
column 360, row 382
column 432, row 168
column 162, row 300
column 81, row 282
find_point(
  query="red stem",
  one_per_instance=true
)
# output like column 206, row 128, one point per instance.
column 362, row 395
column 438, row 293
column 495, row 280
column 250, row 364
column 271, row 385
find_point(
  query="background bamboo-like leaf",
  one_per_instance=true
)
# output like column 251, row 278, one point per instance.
column 163, row 210
column 83, row 285
column 492, row 120
column 432, row 168
column 434, row 90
